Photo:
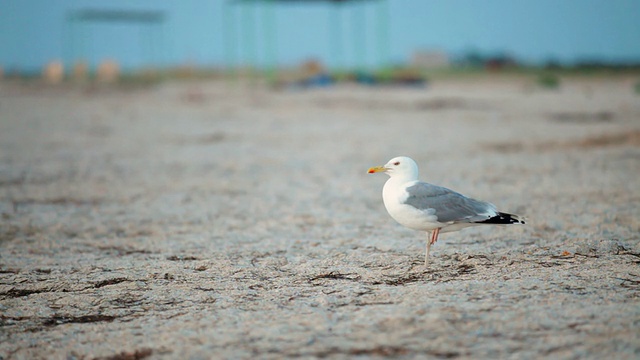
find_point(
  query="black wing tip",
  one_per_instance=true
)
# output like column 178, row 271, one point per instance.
column 503, row 218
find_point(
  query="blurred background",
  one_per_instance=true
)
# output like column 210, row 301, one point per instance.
column 150, row 206
column 312, row 41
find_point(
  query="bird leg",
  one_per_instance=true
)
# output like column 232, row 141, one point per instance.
column 426, row 255
column 434, row 238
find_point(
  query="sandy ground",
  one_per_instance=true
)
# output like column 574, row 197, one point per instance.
column 203, row 220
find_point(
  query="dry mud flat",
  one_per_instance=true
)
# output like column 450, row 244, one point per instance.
column 201, row 220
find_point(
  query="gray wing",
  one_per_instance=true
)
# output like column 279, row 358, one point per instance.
column 448, row 205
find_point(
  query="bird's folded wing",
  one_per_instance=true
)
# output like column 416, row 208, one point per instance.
column 448, row 205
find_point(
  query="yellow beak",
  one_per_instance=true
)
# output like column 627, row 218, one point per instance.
column 377, row 169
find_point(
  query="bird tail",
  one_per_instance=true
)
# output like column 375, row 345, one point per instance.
column 503, row 218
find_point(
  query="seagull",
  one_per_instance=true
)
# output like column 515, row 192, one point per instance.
column 426, row 207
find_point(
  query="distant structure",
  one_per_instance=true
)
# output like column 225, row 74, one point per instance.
column 108, row 71
column 76, row 32
column 53, row 72
column 80, row 71
column 335, row 26
column 424, row 59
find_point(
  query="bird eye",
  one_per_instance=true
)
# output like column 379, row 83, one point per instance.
column 396, row 163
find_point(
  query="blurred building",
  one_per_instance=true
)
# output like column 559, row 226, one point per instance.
column 429, row 59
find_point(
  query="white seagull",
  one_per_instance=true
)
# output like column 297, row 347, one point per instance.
column 422, row 206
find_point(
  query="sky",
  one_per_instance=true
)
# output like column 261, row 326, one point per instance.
column 34, row 32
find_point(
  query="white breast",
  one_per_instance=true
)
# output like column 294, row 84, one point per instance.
column 394, row 194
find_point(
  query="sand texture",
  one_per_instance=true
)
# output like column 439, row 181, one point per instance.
column 215, row 220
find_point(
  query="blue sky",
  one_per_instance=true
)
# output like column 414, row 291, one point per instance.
column 33, row 32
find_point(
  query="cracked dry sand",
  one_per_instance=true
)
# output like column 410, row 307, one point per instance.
column 151, row 223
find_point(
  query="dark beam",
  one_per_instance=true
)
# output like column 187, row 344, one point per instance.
column 117, row 16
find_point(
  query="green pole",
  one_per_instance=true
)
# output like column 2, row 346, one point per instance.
column 248, row 32
column 230, row 38
column 84, row 54
column 359, row 36
column 335, row 37
column 68, row 45
column 162, row 52
column 383, row 35
column 270, row 40
column 145, row 36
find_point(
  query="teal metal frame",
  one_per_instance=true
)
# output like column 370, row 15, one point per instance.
column 73, row 34
column 243, row 50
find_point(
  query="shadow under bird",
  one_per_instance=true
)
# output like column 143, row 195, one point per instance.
column 422, row 206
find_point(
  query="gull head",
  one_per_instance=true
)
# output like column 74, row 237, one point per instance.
column 401, row 167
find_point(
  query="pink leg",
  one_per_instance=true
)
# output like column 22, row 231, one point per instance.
column 434, row 236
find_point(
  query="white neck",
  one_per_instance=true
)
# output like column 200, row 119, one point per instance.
column 406, row 176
